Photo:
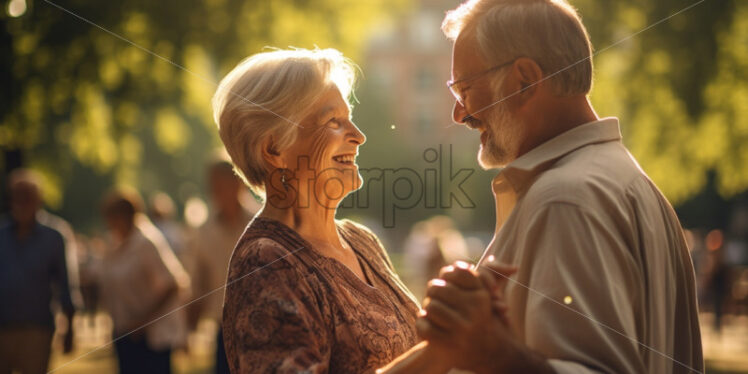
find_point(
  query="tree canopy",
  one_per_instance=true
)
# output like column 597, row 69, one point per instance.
column 118, row 92
column 679, row 87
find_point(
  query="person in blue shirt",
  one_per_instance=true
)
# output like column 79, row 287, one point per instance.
column 33, row 274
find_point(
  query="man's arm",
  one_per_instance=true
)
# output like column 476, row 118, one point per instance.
column 581, row 292
column 62, row 288
column 586, row 289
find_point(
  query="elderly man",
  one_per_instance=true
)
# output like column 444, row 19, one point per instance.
column 33, row 273
column 603, row 282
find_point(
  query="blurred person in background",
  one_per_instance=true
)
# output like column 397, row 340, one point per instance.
column 717, row 275
column 142, row 284
column 736, row 247
column 699, row 256
column 162, row 213
column 211, row 246
column 71, row 251
column 88, row 260
column 737, row 236
column 431, row 245
column 33, row 273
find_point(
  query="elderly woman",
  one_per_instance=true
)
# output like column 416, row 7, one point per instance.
column 305, row 292
column 142, row 285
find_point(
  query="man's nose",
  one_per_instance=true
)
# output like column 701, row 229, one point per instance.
column 459, row 113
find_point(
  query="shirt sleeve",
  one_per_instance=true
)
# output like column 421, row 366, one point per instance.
column 273, row 320
column 160, row 281
column 583, row 290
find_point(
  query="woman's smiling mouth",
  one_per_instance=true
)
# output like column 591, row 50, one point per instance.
column 346, row 159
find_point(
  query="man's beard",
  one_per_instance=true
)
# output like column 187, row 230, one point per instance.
column 504, row 133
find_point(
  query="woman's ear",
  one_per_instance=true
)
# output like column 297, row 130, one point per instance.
column 271, row 155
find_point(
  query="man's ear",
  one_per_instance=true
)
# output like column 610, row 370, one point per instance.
column 530, row 76
column 271, row 154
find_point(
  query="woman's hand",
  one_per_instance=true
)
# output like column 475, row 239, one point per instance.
column 461, row 310
column 485, row 292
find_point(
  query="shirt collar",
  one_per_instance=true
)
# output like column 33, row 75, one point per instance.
column 522, row 170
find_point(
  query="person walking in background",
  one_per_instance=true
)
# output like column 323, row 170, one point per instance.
column 142, row 284
column 33, row 273
column 62, row 226
column 161, row 210
column 717, row 275
column 211, row 247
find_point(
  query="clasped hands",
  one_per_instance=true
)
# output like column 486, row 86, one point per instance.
column 464, row 316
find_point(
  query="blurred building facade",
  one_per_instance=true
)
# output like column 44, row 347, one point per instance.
column 409, row 61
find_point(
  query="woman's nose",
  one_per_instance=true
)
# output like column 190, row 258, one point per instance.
column 356, row 135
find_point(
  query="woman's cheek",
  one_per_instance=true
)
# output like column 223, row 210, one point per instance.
column 319, row 151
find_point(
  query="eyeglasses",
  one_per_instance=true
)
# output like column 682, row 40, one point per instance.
column 451, row 84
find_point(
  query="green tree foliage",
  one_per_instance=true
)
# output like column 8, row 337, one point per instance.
column 680, row 88
column 91, row 109
column 134, row 108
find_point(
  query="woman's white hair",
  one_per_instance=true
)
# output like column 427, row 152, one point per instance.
column 550, row 32
column 268, row 94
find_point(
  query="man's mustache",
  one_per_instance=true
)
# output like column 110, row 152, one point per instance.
column 471, row 122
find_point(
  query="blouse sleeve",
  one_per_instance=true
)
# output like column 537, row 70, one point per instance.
column 273, row 319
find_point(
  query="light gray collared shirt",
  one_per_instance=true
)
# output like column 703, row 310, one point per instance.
column 605, row 281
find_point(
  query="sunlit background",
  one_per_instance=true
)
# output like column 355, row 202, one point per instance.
column 102, row 93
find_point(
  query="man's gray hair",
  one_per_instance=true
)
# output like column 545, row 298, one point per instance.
column 550, row 32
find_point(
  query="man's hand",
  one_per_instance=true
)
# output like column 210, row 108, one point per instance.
column 460, row 318
column 495, row 277
column 458, row 314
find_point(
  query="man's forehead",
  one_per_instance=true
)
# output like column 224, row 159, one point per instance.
column 24, row 190
column 23, row 186
column 465, row 55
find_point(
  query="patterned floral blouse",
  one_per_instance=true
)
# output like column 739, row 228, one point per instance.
column 289, row 309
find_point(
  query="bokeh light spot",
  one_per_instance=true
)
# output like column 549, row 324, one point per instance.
column 16, row 8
